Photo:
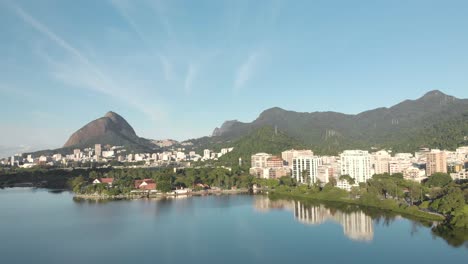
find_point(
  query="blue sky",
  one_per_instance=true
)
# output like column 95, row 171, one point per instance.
column 178, row 69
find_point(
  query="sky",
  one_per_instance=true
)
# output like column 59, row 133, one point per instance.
column 178, row 69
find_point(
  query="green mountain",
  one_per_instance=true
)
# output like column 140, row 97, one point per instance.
column 265, row 139
column 434, row 120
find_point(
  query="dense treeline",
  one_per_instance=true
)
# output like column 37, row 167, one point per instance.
column 80, row 180
column 43, row 177
column 438, row 196
column 166, row 179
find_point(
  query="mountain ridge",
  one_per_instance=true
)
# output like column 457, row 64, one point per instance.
column 379, row 127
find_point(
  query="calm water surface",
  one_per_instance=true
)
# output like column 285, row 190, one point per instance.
column 38, row 226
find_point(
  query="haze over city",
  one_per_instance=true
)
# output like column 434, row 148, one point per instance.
column 178, row 69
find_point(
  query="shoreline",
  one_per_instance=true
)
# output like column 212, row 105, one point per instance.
column 404, row 212
column 135, row 196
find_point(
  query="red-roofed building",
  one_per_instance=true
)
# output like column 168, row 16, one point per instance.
column 274, row 162
column 108, row 181
column 146, row 184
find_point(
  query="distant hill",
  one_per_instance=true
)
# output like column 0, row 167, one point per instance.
column 434, row 120
column 111, row 129
column 264, row 139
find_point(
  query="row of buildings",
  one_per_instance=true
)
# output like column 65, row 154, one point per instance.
column 106, row 154
column 360, row 165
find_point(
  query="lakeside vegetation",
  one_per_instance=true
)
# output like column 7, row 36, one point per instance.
column 166, row 179
column 439, row 198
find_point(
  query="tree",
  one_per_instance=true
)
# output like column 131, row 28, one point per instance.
column 348, row 178
column 77, row 183
column 164, row 185
column 415, row 192
column 332, row 181
column 438, row 180
column 318, row 182
column 305, row 177
column 355, row 192
column 453, row 200
column 287, row 181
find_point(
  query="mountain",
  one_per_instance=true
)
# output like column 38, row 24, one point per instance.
column 110, row 129
column 264, row 139
column 434, row 120
column 225, row 127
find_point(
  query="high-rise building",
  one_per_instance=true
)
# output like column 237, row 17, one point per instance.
column 356, row 164
column 206, row 154
column 264, row 165
column 77, row 153
column 305, row 168
column 98, row 150
column 289, row 155
column 436, row 161
column 259, row 160
column 325, row 172
column 380, row 162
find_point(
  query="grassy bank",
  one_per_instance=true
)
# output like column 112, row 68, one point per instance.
column 132, row 196
column 339, row 197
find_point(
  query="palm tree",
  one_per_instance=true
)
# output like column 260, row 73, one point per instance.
column 305, row 177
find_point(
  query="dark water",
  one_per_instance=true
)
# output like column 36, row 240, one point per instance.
column 38, row 226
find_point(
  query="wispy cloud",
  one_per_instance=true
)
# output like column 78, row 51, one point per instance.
column 79, row 71
column 125, row 8
column 168, row 68
column 246, row 70
column 160, row 11
column 190, row 77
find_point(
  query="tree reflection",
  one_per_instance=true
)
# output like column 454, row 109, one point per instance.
column 357, row 221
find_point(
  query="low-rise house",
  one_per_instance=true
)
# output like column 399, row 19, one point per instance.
column 107, row 181
column 461, row 175
column 146, row 184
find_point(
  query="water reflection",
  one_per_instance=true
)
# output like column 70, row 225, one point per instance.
column 356, row 224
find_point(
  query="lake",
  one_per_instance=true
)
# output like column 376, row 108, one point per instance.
column 40, row 226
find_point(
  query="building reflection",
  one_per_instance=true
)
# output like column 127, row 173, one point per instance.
column 356, row 225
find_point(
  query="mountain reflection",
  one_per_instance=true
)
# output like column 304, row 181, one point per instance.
column 356, row 225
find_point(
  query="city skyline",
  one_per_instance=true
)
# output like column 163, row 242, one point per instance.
column 158, row 62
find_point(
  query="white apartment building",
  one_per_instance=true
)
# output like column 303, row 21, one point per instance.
column 289, row 155
column 356, row 164
column 180, row 155
column 108, row 154
column 224, row 151
column 57, row 157
column 309, row 164
column 206, row 154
